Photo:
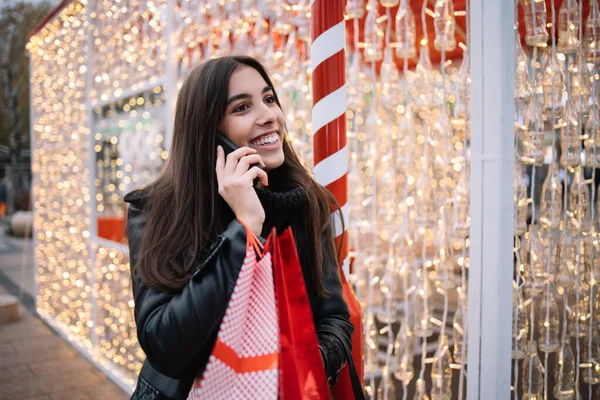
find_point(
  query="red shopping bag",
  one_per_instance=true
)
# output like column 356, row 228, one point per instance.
column 244, row 361
column 302, row 374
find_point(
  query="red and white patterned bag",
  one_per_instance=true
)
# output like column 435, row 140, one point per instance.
column 244, row 361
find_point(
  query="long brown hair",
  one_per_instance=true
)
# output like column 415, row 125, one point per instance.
column 185, row 211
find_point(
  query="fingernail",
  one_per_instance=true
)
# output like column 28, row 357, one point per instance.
column 219, row 148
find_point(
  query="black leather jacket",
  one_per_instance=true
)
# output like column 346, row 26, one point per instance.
column 177, row 331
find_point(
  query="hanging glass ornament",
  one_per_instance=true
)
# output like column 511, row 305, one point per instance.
column 405, row 31
column 353, row 84
column 552, row 88
column 579, row 203
column 386, row 389
column 533, row 134
column 427, row 215
column 460, row 206
column 522, row 79
column 355, row 9
column 520, row 326
column 564, row 387
column 445, row 25
column 570, row 137
column 404, row 354
column 442, row 262
column 373, row 36
column 549, row 323
column 520, row 199
column 578, row 313
column 371, row 346
column 458, row 332
column 441, row 374
column 422, row 308
column 533, row 373
column 567, row 246
column 535, row 22
column 591, row 357
column 538, row 256
column 592, row 138
column 591, row 38
column 425, row 81
column 552, row 196
column 580, row 85
column 568, row 27
column 388, row 285
column 420, row 390
column 389, row 81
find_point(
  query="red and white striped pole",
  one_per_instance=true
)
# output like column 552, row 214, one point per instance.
column 328, row 61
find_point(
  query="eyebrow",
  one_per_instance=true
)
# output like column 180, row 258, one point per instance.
column 247, row 96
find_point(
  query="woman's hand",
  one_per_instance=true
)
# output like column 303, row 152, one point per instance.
column 236, row 178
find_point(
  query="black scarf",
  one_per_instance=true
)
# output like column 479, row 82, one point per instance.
column 282, row 209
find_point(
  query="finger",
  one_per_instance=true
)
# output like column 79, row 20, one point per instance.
column 256, row 172
column 234, row 157
column 245, row 163
column 220, row 166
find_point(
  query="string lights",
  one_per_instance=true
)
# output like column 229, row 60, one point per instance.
column 103, row 88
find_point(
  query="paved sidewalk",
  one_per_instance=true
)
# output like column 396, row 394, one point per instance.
column 35, row 363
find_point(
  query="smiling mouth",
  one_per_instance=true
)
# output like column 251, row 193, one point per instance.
column 266, row 140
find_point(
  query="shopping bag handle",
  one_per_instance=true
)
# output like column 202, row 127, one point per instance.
column 357, row 388
column 253, row 239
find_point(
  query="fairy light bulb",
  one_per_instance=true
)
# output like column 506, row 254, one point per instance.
column 355, row 9
column 533, row 373
column 533, row 134
column 568, row 27
column 522, row 79
column 373, row 36
column 441, row 374
column 591, row 37
column 551, row 201
column 535, row 22
column 389, row 3
column 405, row 32
column 520, row 201
column 579, row 203
column 564, row 376
column 549, row 324
column 570, row 137
column 445, row 25
column 404, row 354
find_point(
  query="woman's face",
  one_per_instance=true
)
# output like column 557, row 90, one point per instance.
column 253, row 118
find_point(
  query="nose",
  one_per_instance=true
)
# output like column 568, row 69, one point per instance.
column 266, row 115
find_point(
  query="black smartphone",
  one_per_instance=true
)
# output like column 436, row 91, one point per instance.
column 229, row 147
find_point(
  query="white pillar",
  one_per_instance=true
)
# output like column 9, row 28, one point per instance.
column 492, row 151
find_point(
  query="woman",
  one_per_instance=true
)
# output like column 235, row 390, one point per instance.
column 186, row 243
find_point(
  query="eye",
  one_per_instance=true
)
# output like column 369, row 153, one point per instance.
column 270, row 99
column 240, row 108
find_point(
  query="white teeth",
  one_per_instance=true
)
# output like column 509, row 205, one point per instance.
column 265, row 141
